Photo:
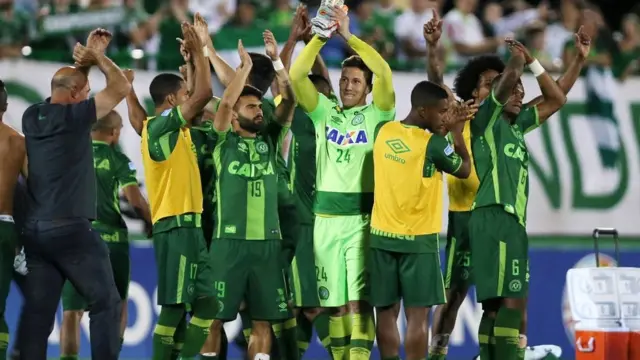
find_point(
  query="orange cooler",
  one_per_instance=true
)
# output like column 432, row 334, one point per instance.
column 634, row 345
column 603, row 343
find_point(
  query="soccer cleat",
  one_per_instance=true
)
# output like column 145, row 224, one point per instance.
column 543, row 352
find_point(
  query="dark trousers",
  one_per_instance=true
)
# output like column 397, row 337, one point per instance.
column 68, row 249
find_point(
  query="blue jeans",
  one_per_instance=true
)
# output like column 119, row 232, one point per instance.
column 57, row 250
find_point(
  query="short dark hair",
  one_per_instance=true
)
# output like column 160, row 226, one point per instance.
column 357, row 62
column 3, row 96
column 467, row 79
column 249, row 90
column 164, row 85
column 262, row 72
column 107, row 122
column 427, row 93
column 319, row 79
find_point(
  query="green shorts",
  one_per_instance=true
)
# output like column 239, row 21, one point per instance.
column 249, row 270
column 304, row 273
column 183, row 267
column 499, row 254
column 458, row 255
column 120, row 265
column 340, row 247
column 8, row 243
column 414, row 278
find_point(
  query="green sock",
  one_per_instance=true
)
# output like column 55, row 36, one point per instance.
column 168, row 321
column 178, row 338
column 506, row 331
column 204, row 310
column 340, row 337
column 522, row 346
column 362, row 336
column 437, row 357
column 304, row 333
column 69, row 357
column 321, row 324
column 289, row 340
column 485, row 336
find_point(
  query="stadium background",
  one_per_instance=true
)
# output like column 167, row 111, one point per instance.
column 585, row 163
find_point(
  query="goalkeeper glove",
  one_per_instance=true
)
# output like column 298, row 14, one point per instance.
column 20, row 263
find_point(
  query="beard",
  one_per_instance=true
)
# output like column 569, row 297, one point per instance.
column 251, row 125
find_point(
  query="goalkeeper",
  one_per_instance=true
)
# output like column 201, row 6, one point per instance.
column 344, row 179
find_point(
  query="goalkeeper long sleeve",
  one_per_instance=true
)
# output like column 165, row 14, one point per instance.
column 304, row 89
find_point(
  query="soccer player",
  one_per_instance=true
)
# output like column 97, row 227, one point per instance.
column 58, row 239
column 344, row 182
column 499, row 254
column 301, row 161
column 13, row 154
column 404, row 247
column 246, row 250
column 175, row 196
column 114, row 171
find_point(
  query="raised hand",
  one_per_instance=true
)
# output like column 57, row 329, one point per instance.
column 432, row 30
column 84, row 56
column 202, row 28
column 517, row 49
column 191, row 42
column 583, row 42
column 129, row 74
column 461, row 112
column 270, row 45
column 341, row 17
column 99, row 40
column 300, row 26
column 245, row 60
column 186, row 56
column 184, row 71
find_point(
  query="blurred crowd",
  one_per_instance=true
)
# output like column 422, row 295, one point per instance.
column 145, row 31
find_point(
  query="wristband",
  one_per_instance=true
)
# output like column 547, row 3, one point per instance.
column 278, row 65
column 536, row 68
column 205, row 50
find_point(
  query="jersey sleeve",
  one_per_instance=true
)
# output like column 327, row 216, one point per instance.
column 168, row 121
column 440, row 153
column 528, row 119
column 82, row 113
column 218, row 137
column 385, row 116
column 488, row 112
column 322, row 110
column 125, row 171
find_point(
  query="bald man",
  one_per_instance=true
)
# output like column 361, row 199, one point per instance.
column 12, row 153
column 58, row 239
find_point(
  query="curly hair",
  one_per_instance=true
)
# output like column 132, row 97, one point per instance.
column 467, row 78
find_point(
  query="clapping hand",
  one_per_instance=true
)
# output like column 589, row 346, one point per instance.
column 202, row 29
column 245, row 60
column 270, row 45
column 301, row 26
column 461, row 112
column 128, row 73
column 84, row 56
column 99, row 40
column 517, row 49
column 191, row 42
column 186, row 56
column 583, row 42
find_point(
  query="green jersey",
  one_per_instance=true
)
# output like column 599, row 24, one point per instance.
column 301, row 161
column 501, row 157
column 114, row 171
column 344, row 156
column 203, row 139
column 246, row 179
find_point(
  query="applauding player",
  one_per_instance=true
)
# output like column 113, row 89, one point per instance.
column 175, row 194
column 344, row 180
column 499, row 254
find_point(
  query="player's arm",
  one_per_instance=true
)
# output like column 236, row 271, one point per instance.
column 125, row 174
column 455, row 162
column 222, row 122
column 432, row 31
column 510, row 76
column 202, row 91
column 137, row 113
column 284, row 110
column 384, row 96
column 303, row 88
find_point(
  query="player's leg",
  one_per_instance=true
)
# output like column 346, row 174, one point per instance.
column 121, row 266
column 515, row 287
column 385, row 297
column 421, row 268
column 522, row 344
column 84, row 261
column 304, row 282
column 457, row 281
column 42, row 290
column 73, row 307
column 230, row 265
column 356, row 242
column 203, row 302
column 178, row 338
column 8, row 242
column 266, row 297
column 331, row 276
column 168, row 251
